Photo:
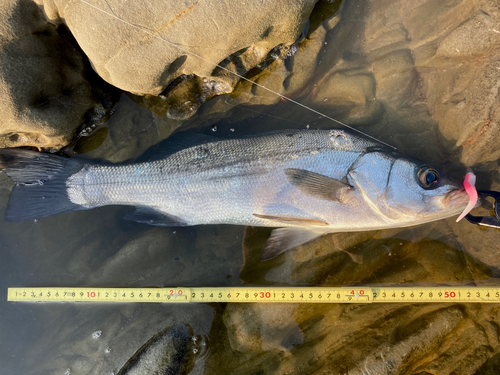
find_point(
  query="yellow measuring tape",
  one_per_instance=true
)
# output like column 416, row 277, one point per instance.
column 259, row 294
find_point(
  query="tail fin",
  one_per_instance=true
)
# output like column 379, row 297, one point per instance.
column 41, row 184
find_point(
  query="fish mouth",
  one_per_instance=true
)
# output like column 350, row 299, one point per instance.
column 457, row 198
column 447, row 205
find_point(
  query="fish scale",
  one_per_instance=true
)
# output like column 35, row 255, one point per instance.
column 240, row 171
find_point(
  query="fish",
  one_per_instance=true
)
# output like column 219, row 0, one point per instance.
column 306, row 183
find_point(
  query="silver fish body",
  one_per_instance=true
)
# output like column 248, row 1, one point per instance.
column 316, row 181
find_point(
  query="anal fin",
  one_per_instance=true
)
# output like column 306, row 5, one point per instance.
column 284, row 239
column 148, row 215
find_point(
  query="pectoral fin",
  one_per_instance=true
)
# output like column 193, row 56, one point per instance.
column 291, row 220
column 317, row 185
column 284, row 239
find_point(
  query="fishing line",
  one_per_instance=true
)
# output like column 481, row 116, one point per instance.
column 234, row 73
column 261, row 113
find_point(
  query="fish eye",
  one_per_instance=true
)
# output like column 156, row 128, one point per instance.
column 428, row 177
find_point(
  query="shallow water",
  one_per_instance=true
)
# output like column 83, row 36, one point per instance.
column 98, row 248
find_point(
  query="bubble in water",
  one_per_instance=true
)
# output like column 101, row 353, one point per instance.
column 107, row 350
column 97, row 334
column 214, row 128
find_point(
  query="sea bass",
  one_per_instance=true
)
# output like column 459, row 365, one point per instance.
column 307, row 182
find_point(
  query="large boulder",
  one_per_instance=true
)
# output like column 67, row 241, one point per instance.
column 145, row 48
column 451, row 66
column 45, row 92
column 142, row 47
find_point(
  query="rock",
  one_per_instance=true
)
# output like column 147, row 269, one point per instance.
column 343, row 87
column 286, row 75
column 353, row 91
column 129, row 339
column 450, row 65
column 261, row 327
column 46, row 95
column 358, row 339
column 468, row 114
column 170, row 351
column 143, row 54
column 480, row 34
column 379, row 339
column 362, row 258
column 395, row 77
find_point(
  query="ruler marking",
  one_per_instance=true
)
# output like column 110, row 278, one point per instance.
column 259, row 294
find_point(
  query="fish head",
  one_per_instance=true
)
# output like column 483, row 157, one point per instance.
column 420, row 193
